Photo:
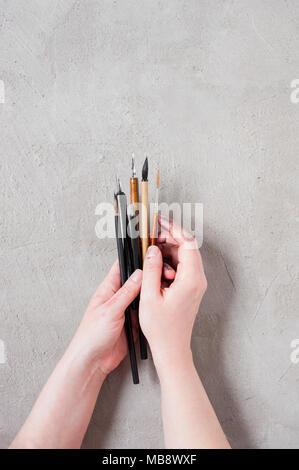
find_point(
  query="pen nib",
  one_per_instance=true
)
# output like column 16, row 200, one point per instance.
column 118, row 185
column 133, row 166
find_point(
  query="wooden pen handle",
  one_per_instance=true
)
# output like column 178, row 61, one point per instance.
column 134, row 196
column 144, row 226
column 154, row 234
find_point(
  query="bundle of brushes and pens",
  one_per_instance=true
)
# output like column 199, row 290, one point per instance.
column 132, row 236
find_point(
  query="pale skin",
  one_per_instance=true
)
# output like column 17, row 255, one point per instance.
column 170, row 297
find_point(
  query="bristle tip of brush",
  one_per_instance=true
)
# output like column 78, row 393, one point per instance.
column 145, row 170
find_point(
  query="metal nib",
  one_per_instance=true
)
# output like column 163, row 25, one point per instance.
column 118, row 185
column 133, row 166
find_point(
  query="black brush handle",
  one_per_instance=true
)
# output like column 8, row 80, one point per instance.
column 131, row 345
column 137, row 265
column 128, row 321
column 130, row 265
column 143, row 344
column 121, row 260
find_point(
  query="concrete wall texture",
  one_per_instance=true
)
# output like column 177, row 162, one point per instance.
column 202, row 86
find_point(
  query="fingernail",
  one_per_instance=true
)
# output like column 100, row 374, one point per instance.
column 137, row 275
column 152, row 251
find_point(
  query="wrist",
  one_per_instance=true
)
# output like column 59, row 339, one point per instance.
column 172, row 362
column 85, row 361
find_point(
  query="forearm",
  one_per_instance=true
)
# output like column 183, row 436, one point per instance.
column 189, row 420
column 61, row 414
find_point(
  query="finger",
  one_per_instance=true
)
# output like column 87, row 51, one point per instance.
column 152, row 271
column 177, row 233
column 126, row 294
column 108, row 286
column 161, row 237
column 165, row 237
column 188, row 254
column 168, row 271
column 170, row 253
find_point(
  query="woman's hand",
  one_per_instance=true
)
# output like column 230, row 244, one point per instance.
column 101, row 335
column 61, row 414
column 167, row 313
column 168, row 309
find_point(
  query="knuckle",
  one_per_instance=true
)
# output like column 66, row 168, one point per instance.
column 194, row 287
column 129, row 288
column 198, row 286
column 126, row 290
column 204, row 284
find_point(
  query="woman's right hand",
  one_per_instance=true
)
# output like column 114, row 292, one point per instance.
column 167, row 311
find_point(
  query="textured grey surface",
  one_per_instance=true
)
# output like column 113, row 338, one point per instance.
column 204, row 88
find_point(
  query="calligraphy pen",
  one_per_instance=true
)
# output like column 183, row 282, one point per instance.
column 120, row 212
column 135, row 243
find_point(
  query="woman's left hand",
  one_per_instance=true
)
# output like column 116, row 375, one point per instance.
column 101, row 335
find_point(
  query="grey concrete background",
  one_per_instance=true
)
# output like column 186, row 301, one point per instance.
column 204, row 88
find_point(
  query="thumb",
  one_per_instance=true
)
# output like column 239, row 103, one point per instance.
column 126, row 294
column 152, row 272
